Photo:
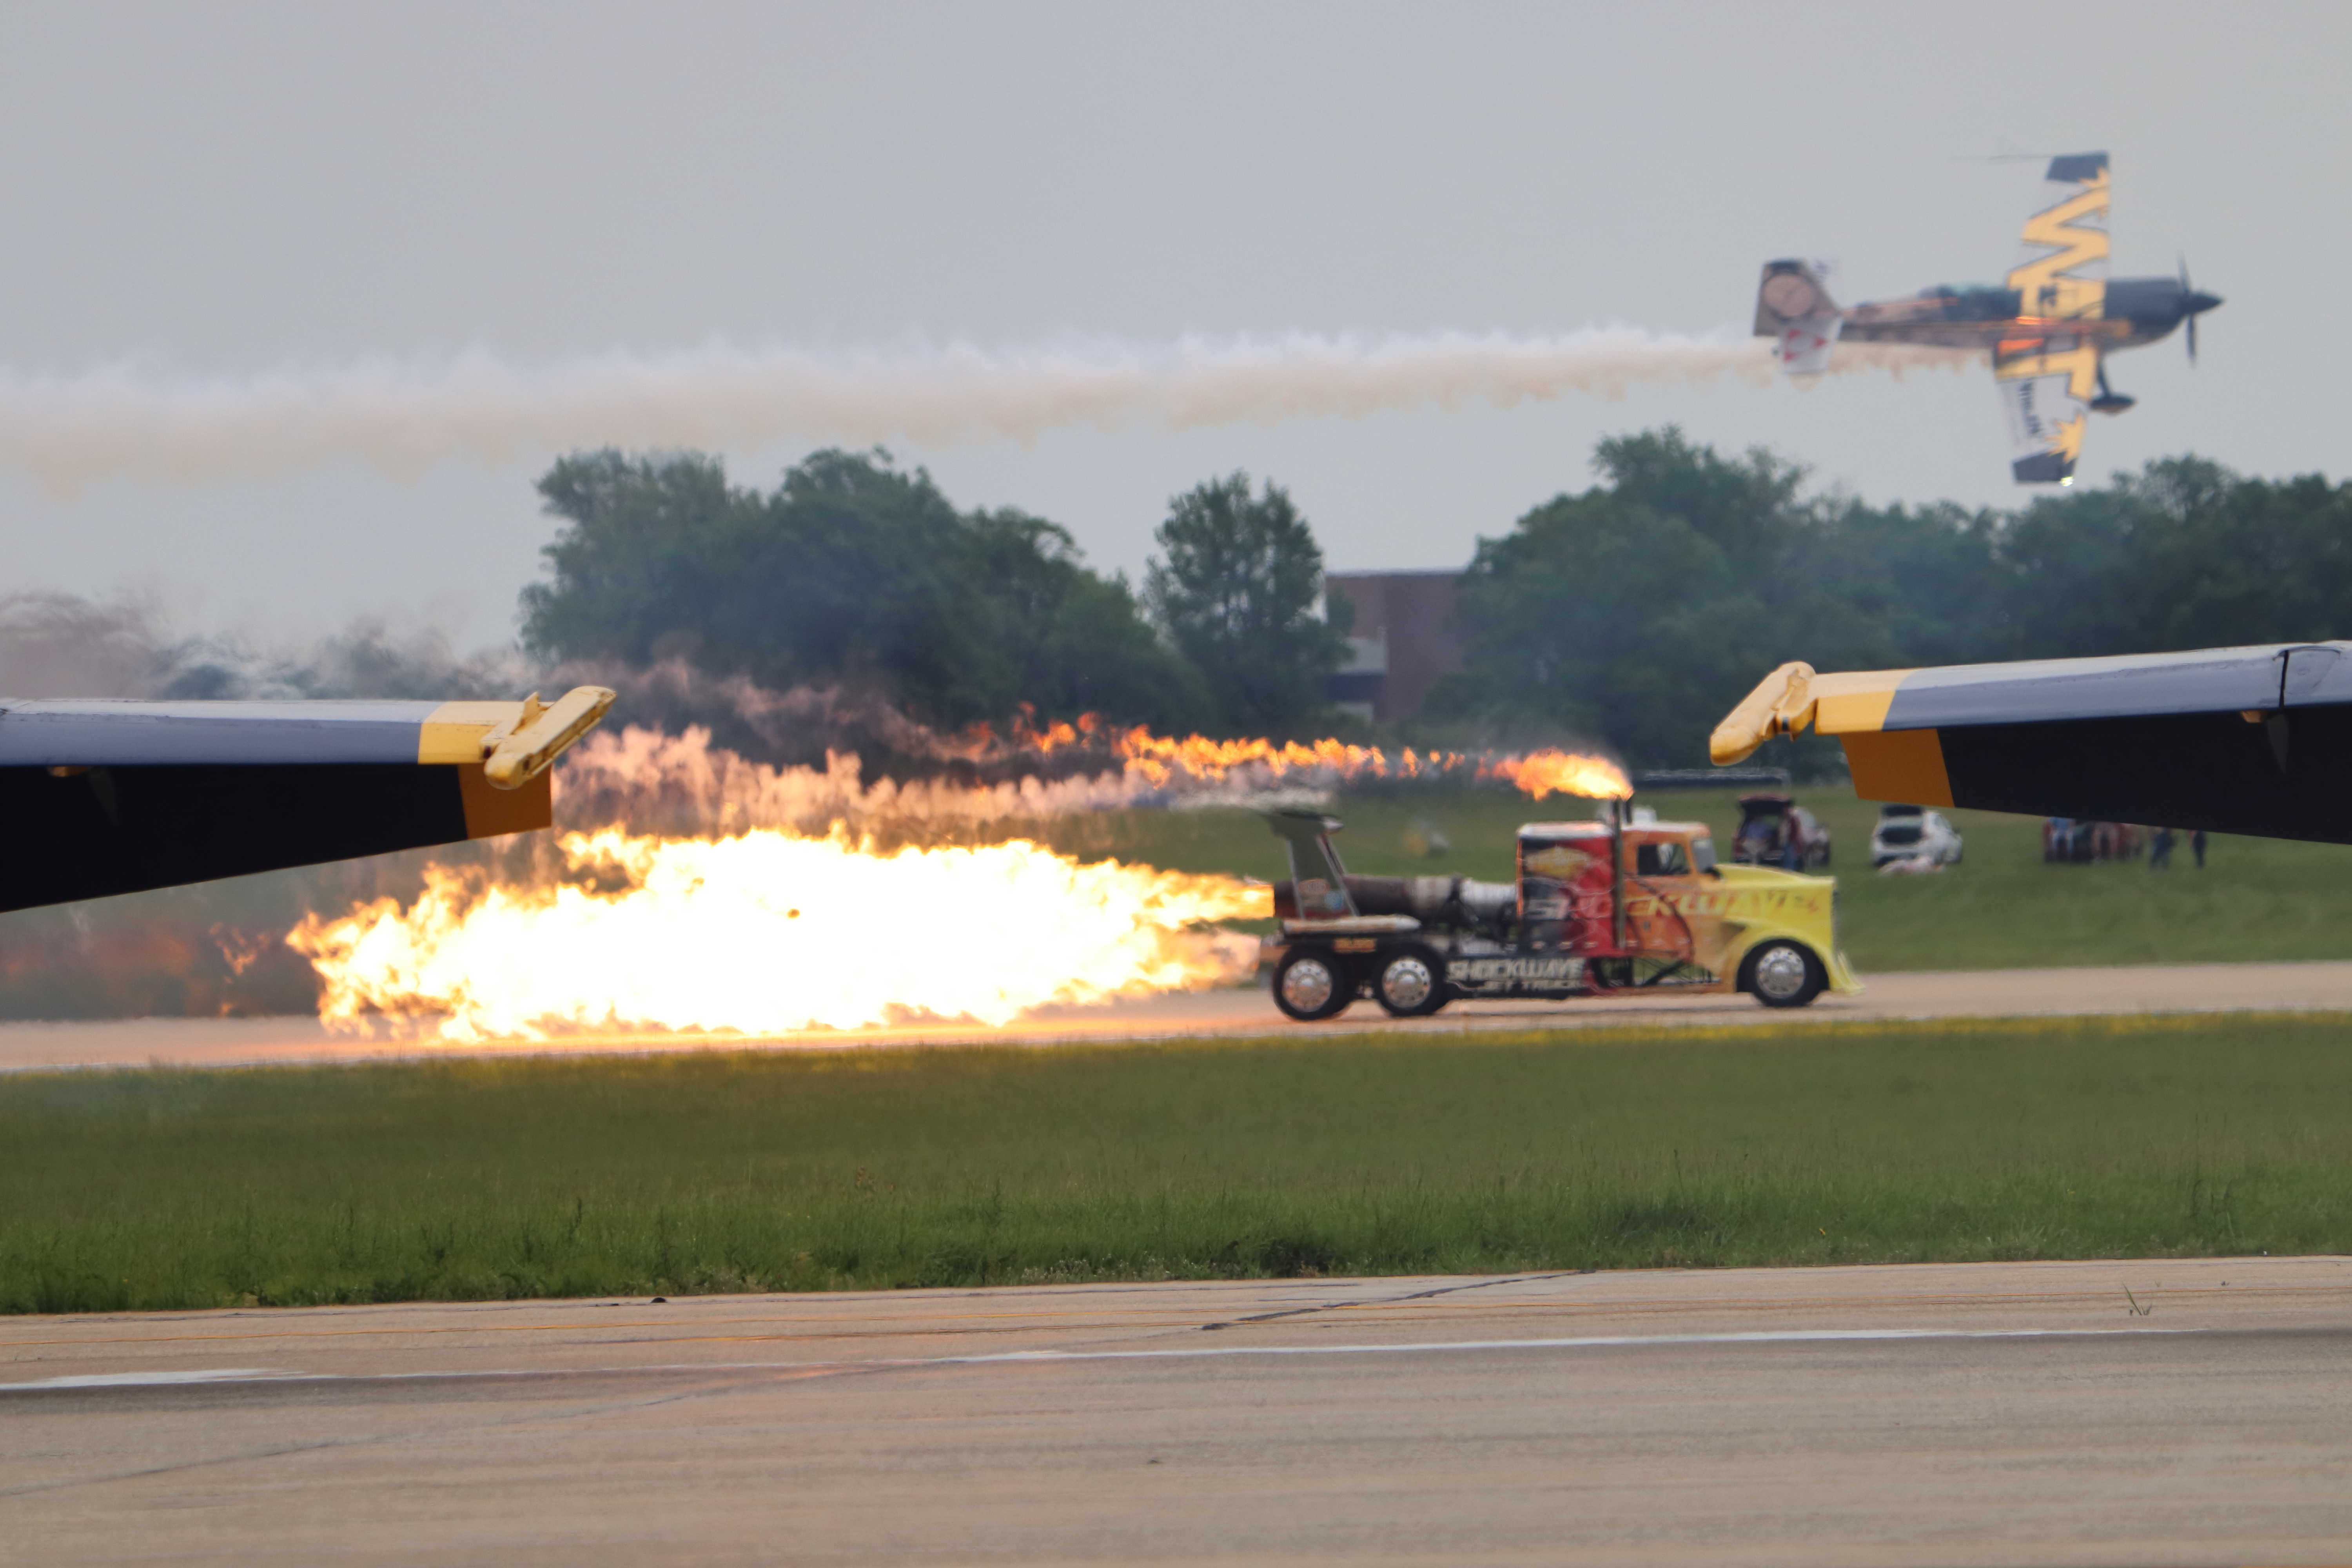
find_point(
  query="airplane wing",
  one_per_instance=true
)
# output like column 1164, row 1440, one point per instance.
column 2047, row 374
column 2046, row 385
column 103, row 797
column 2236, row 740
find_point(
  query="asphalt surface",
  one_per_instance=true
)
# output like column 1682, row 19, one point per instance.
column 2180, row 1412
column 2024, row 993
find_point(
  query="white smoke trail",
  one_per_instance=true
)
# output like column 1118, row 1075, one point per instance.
column 401, row 417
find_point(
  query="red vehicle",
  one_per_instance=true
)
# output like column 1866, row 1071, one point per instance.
column 1598, row 907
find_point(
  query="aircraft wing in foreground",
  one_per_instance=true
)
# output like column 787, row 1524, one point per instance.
column 106, row 796
column 2234, row 739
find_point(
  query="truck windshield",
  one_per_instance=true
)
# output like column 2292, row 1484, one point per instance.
column 1661, row 860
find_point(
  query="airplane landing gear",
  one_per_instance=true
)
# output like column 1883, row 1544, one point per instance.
column 2109, row 401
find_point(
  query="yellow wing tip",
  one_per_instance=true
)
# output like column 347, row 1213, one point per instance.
column 1782, row 704
column 542, row 734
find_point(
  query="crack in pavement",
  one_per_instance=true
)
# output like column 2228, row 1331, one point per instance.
column 1393, row 1301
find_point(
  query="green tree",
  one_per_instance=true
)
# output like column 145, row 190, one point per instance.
column 1238, row 595
column 2183, row 554
column 634, row 564
column 850, row 569
column 1605, row 618
column 1067, row 641
column 1638, row 612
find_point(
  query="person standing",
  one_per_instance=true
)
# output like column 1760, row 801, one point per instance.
column 2159, row 851
column 2196, row 847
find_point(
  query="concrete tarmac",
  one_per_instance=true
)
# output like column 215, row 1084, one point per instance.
column 2176, row 1412
column 2010, row 993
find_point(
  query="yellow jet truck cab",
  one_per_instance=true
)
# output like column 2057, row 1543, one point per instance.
column 1622, row 904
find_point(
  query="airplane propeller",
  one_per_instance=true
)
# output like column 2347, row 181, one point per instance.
column 2192, row 305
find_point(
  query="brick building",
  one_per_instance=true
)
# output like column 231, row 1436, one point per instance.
column 1403, row 639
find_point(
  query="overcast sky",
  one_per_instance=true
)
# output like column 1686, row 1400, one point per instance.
column 230, row 190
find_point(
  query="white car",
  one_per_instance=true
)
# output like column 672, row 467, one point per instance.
column 1914, row 833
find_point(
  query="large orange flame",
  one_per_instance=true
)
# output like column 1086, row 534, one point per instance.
column 771, row 931
column 1162, row 758
column 1540, row 773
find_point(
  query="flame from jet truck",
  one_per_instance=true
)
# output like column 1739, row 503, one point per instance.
column 772, row 931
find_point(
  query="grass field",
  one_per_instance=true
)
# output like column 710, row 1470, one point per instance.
column 2257, row 898
column 1796, row 1144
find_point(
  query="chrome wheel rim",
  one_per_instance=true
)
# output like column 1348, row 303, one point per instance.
column 1407, row 983
column 1781, row 973
column 1306, row 985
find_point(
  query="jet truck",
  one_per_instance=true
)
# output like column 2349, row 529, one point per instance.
column 1622, row 904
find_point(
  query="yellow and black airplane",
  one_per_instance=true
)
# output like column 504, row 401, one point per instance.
column 2049, row 325
column 115, row 796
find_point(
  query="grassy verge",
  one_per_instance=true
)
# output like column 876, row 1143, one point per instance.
column 1774, row 1145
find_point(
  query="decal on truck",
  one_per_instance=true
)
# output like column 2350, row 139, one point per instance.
column 1514, row 974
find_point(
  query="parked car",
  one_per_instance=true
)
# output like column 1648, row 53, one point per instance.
column 1914, row 833
column 1774, row 830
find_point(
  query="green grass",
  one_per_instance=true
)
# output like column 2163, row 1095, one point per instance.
column 1795, row 1144
column 2257, row 899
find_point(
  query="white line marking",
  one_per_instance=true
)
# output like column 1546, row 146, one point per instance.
column 151, row 1379
column 1194, row 1352
column 1756, row 1336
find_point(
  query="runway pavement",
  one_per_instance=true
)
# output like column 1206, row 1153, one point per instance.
column 2179, row 1412
column 2031, row 993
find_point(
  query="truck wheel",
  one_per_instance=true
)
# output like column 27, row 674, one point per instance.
column 1310, row 984
column 1783, row 974
column 1411, row 984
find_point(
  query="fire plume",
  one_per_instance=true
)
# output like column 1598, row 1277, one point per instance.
column 1164, row 758
column 770, row 932
column 1540, row 773
column 645, row 778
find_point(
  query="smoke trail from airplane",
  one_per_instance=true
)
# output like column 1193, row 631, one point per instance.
column 402, row 417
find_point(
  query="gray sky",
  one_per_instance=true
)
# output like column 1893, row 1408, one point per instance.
column 238, row 189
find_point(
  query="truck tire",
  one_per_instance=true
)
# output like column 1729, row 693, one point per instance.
column 1783, row 974
column 1411, row 983
column 1310, row 984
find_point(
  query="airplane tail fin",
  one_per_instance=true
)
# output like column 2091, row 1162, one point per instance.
column 1793, row 305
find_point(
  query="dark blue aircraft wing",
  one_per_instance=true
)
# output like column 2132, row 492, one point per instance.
column 2238, row 739
column 106, row 797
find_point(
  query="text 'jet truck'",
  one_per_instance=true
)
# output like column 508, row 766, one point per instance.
column 1623, row 905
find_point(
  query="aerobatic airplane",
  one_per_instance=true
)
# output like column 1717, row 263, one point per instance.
column 2049, row 325
column 112, row 797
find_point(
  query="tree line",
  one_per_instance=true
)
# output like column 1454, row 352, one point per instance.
column 852, row 570
column 1633, row 613
column 1642, row 609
